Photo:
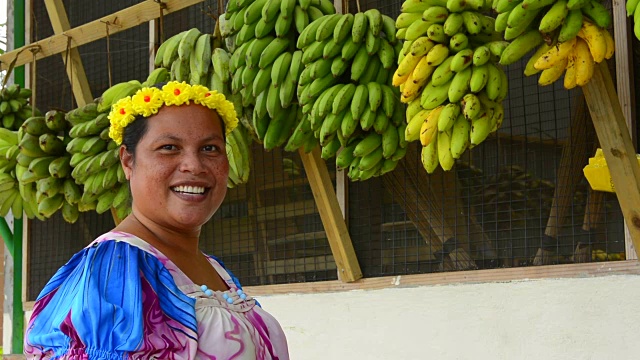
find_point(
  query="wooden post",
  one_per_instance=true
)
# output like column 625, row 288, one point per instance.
column 329, row 209
column 617, row 146
column 75, row 71
column 625, row 86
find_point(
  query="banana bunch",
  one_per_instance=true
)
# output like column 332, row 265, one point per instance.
column 346, row 95
column 239, row 154
column 220, row 81
column 264, row 66
column 99, row 181
column 448, row 74
column 632, row 9
column 10, row 198
column 188, row 56
column 568, row 36
column 14, row 106
column 43, row 166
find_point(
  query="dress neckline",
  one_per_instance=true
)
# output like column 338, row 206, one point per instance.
column 182, row 280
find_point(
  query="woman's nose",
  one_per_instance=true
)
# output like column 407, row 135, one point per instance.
column 191, row 162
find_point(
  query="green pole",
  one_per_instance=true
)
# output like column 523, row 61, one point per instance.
column 17, row 335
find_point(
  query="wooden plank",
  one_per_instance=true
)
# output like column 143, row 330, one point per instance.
column 457, row 277
column 275, row 212
column 298, row 237
column 617, row 146
column 334, row 225
column 625, row 86
column 84, row 34
column 75, row 71
column 298, row 265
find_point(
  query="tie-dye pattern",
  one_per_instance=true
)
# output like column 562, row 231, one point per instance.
column 120, row 298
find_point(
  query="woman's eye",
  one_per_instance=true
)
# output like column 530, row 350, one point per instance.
column 210, row 148
column 168, row 147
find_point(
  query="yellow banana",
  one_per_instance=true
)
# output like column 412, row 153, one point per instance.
column 611, row 46
column 529, row 69
column 550, row 75
column 570, row 73
column 584, row 63
column 557, row 54
column 429, row 156
column 594, row 37
column 444, row 150
column 412, row 88
column 412, row 132
column 430, row 126
column 405, row 68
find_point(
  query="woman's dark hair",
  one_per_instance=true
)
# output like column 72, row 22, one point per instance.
column 135, row 131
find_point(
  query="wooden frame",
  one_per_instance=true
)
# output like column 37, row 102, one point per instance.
column 95, row 30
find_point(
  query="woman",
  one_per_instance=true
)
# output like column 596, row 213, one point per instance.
column 145, row 290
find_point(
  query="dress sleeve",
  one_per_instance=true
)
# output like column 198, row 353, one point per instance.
column 96, row 306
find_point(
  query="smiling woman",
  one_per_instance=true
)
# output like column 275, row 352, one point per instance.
column 145, row 290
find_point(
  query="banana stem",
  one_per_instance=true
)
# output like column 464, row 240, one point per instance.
column 358, row 5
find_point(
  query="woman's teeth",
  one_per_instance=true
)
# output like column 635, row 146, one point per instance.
column 189, row 189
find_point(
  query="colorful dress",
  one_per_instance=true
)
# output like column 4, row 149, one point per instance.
column 120, row 298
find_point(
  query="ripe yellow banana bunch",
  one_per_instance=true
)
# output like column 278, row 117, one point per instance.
column 633, row 9
column 14, row 106
column 345, row 94
column 575, row 58
column 448, row 74
column 567, row 24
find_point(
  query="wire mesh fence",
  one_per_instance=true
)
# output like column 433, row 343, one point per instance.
column 518, row 199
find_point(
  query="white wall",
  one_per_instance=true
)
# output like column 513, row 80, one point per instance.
column 583, row 318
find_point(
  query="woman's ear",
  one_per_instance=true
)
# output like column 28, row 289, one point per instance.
column 126, row 159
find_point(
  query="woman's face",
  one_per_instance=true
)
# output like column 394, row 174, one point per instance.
column 179, row 175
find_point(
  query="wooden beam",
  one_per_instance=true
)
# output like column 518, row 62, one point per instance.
column 613, row 133
column 84, row 34
column 77, row 76
column 625, row 86
column 334, row 225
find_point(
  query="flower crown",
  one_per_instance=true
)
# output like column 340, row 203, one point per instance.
column 148, row 100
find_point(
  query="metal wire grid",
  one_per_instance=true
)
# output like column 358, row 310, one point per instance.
column 275, row 234
column 507, row 185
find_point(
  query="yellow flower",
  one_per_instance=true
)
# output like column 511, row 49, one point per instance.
column 198, row 93
column 175, row 93
column 147, row 101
